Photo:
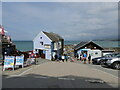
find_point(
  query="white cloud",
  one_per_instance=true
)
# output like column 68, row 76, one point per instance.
column 71, row 20
column 102, row 7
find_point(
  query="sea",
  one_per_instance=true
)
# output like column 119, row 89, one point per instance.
column 28, row 45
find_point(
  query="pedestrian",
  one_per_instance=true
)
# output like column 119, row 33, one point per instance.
column 60, row 58
column 80, row 57
column 77, row 56
column 89, row 58
column 63, row 57
column 66, row 57
column 56, row 57
column 84, row 57
column 36, row 59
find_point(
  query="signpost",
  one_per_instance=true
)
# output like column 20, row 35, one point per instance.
column 8, row 62
column 20, row 61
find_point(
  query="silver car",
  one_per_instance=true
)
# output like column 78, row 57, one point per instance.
column 114, row 62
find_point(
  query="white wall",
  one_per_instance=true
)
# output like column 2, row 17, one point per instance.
column 48, row 54
column 93, row 53
column 45, row 40
column 37, row 41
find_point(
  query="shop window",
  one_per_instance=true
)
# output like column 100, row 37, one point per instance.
column 96, row 52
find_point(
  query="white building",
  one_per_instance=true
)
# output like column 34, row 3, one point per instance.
column 48, row 44
column 89, row 47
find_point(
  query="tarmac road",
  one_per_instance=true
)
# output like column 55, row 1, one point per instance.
column 50, row 74
column 104, row 69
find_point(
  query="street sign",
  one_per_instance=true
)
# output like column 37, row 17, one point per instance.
column 9, row 62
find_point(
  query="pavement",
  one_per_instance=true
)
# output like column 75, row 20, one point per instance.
column 49, row 74
column 18, row 71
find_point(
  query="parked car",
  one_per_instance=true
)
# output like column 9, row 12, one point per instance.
column 114, row 62
column 99, row 60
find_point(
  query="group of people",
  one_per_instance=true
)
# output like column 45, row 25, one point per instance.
column 61, row 58
column 83, row 57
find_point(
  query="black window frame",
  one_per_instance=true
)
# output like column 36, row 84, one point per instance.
column 41, row 43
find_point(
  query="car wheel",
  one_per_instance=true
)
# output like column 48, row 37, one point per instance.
column 116, row 65
column 94, row 63
column 100, row 62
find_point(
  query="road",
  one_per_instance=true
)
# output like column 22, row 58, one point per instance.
column 99, row 67
column 50, row 74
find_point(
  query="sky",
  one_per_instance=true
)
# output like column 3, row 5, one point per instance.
column 71, row 20
column 0, row 12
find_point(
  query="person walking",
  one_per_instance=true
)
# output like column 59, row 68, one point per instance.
column 60, row 58
column 56, row 57
column 80, row 57
column 63, row 57
column 66, row 57
column 89, row 58
column 84, row 56
column 77, row 56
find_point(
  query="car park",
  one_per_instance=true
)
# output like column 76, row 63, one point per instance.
column 100, row 60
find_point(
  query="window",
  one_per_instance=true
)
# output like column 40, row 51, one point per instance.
column 41, row 43
column 40, row 37
column 96, row 52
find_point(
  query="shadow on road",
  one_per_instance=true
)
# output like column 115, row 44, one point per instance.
column 40, row 81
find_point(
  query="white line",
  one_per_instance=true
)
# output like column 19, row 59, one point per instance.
column 42, row 77
column 67, row 78
column 25, row 72
column 20, row 73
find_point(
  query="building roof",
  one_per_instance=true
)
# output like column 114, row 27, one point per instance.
column 82, row 44
column 53, row 36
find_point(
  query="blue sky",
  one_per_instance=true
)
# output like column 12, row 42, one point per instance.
column 73, row 21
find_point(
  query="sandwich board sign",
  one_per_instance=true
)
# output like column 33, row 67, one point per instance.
column 9, row 62
column 19, row 60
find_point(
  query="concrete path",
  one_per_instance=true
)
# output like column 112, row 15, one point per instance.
column 64, row 74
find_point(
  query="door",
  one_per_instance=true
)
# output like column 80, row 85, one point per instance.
column 41, row 53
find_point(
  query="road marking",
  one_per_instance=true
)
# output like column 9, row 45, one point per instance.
column 20, row 73
column 67, row 78
column 95, row 81
column 41, row 77
column 25, row 71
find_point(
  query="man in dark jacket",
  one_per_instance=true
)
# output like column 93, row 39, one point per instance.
column 89, row 58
